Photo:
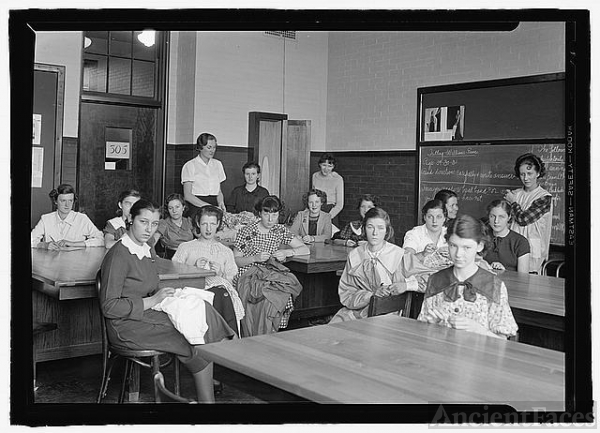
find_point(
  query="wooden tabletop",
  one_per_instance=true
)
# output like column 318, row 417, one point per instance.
column 72, row 274
column 536, row 293
column 323, row 258
column 390, row 359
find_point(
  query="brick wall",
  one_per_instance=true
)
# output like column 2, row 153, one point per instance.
column 389, row 175
column 373, row 76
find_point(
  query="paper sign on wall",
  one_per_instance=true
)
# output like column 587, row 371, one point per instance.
column 37, row 129
column 37, row 166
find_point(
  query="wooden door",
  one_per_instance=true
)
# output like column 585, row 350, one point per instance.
column 102, row 177
column 48, row 96
column 295, row 173
column 282, row 148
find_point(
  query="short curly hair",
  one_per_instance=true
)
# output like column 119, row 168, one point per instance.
column 369, row 197
column 530, row 159
column 314, row 191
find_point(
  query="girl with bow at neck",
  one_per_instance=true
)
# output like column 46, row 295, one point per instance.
column 465, row 296
column 375, row 268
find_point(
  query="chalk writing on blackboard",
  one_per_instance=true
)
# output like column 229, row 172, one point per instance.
column 482, row 173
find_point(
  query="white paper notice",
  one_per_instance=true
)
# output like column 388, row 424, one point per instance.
column 37, row 166
column 37, row 129
column 108, row 165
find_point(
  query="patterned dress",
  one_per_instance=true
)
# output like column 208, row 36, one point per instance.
column 481, row 297
column 250, row 241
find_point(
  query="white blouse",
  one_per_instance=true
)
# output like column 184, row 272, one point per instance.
column 75, row 227
column 206, row 178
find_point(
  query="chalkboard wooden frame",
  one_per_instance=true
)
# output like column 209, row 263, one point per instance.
column 449, row 95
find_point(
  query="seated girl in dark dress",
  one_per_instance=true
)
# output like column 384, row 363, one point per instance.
column 129, row 290
column 352, row 233
column 509, row 249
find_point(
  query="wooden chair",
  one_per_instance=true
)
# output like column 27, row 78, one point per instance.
column 390, row 304
column 163, row 395
column 133, row 360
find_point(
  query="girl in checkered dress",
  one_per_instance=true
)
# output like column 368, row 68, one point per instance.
column 260, row 244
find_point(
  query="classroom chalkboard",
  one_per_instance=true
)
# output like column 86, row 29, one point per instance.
column 480, row 173
column 521, row 108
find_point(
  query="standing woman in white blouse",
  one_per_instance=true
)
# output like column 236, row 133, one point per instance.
column 202, row 176
column 332, row 184
column 65, row 227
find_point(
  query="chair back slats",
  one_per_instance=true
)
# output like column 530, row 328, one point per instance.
column 395, row 303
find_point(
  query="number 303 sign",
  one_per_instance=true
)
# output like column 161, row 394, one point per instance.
column 117, row 150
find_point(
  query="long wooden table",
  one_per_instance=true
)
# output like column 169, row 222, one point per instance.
column 317, row 274
column 538, row 304
column 64, row 284
column 390, row 359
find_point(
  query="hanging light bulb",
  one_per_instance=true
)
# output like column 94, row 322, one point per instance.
column 86, row 42
column 147, row 37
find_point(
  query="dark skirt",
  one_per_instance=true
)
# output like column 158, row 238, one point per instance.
column 192, row 209
column 155, row 331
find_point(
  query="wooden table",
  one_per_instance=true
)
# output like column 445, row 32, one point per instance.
column 538, row 305
column 317, row 274
column 64, row 284
column 390, row 359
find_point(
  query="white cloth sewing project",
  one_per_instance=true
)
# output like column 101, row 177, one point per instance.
column 187, row 312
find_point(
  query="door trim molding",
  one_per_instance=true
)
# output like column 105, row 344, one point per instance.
column 59, row 115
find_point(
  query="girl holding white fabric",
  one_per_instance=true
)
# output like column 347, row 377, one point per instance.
column 129, row 290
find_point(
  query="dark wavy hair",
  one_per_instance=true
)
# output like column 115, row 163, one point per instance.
column 314, row 191
column 530, row 159
column 124, row 195
column 171, row 197
column 369, row 197
column 209, row 210
column 63, row 188
column 444, row 195
column 502, row 204
column 466, row 227
column 328, row 157
column 434, row 204
column 270, row 203
column 251, row 164
column 202, row 141
column 377, row 212
column 139, row 206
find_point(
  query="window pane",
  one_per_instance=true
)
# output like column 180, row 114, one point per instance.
column 94, row 73
column 99, row 42
column 119, row 76
column 143, row 79
column 120, row 44
column 141, row 51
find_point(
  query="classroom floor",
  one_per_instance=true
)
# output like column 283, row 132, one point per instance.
column 77, row 380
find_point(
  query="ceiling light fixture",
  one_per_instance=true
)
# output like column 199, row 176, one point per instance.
column 86, row 42
column 147, row 37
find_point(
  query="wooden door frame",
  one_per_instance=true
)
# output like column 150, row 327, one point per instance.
column 254, row 119
column 59, row 115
